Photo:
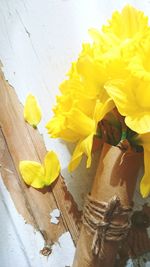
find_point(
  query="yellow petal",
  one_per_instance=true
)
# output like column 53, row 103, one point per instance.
column 142, row 94
column 127, row 23
column 32, row 111
column 104, row 42
column 139, row 122
column 32, row 173
column 139, row 67
column 52, row 167
column 144, row 140
column 80, row 123
column 90, row 69
column 83, row 147
column 57, row 129
column 101, row 109
column 122, row 96
column 145, row 182
column 129, row 98
column 56, row 125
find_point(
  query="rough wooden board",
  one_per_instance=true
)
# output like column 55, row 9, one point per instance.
column 24, row 143
column 12, row 182
column 63, row 198
column 32, row 204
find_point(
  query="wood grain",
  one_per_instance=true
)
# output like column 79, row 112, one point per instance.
column 19, row 141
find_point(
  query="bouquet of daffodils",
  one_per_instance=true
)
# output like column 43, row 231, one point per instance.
column 107, row 93
column 107, row 96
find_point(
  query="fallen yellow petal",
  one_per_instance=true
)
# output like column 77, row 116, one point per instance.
column 52, row 167
column 32, row 111
column 38, row 175
column 32, row 173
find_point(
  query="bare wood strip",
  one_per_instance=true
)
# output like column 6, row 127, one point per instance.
column 21, row 147
column 63, row 198
column 69, row 208
column 26, row 143
column 12, row 182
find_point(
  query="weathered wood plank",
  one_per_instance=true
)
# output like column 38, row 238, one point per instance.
column 63, row 198
column 34, row 205
column 25, row 143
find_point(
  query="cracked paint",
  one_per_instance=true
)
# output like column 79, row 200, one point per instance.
column 22, row 243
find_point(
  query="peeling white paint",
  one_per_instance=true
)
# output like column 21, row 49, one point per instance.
column 55, row 214
column 20, row 244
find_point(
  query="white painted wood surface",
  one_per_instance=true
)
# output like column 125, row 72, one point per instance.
column 38, row 41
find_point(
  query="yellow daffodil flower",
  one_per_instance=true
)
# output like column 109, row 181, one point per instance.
column 132, row 98
column 145, row 182
column 39, row 175
column 121, row 39
column 32, row 111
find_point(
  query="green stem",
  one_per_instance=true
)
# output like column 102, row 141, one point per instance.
column 124, row 135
